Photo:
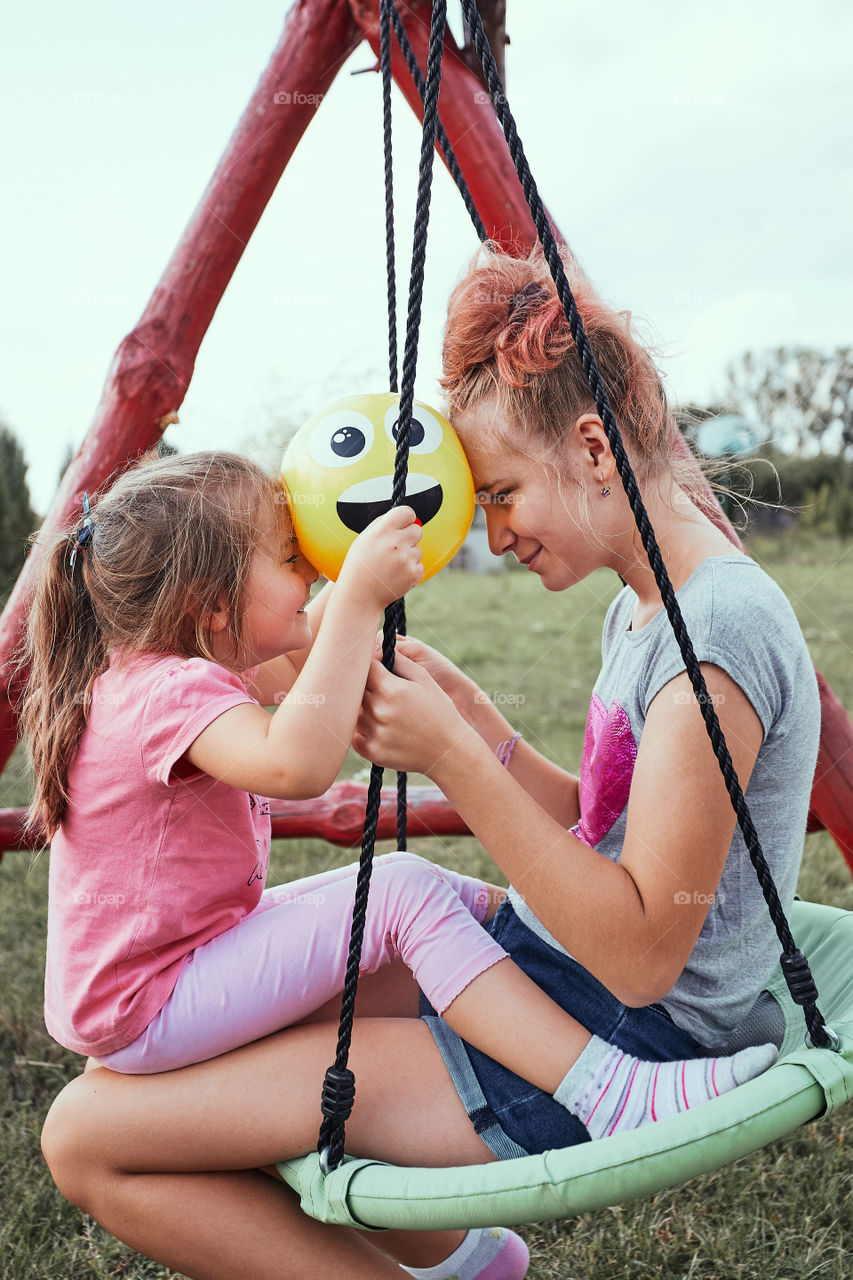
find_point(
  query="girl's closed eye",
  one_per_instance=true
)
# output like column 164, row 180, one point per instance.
column 486, row 498
column 289, row 550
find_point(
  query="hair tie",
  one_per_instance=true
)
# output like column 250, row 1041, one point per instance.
column 525, row 299
column 85, row 530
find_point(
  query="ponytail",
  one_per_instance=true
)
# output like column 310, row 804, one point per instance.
column 65, row 650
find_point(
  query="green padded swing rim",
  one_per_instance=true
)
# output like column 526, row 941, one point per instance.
column 804, row 1083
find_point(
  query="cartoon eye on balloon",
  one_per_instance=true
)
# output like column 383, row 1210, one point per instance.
column 338, row 472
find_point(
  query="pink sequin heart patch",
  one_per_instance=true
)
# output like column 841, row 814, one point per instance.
column 609, row 752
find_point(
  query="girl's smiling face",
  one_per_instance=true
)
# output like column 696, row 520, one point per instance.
column 277, row 590
column 533, row 508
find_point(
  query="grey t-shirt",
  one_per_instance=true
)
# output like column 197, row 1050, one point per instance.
column 741, row 621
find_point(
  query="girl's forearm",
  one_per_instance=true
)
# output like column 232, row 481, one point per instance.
column 315, row 722
column 569, row 886
column 554, row 789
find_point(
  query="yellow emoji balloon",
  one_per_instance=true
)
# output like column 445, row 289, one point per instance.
column 338, row 472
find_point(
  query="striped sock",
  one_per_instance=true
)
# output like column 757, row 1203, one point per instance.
column 486, row 1253
column 611, row 1092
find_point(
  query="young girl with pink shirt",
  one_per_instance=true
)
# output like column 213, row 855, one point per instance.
column 162, row 627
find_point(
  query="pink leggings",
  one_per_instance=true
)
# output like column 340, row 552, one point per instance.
column 288, row 957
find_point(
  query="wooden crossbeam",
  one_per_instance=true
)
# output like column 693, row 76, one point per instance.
column 337, row 817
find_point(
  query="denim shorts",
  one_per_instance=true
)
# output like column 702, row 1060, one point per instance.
column 513, row 1117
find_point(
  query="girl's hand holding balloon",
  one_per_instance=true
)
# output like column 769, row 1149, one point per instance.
column 407, row 722
column 384, row 562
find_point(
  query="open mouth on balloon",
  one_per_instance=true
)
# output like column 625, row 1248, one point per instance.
column 363, row 502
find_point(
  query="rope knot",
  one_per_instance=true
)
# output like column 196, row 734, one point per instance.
column 338, row 1094
column 799, row 978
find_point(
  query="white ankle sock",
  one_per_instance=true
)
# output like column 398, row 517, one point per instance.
column 611, row 1092
column 480, row 1255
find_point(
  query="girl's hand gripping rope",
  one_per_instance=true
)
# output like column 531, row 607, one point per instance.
column 392, row 704
column 465, row 693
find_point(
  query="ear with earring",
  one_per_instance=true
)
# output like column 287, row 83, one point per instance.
column 592, row 438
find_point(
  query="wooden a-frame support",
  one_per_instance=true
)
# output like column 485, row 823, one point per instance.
column 152, row 368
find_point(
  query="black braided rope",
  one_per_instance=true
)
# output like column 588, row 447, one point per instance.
column 416, row 282
column 800, row 982
column 339, row 1084
column 443, row 140
column 402, row 778
column 391, row 275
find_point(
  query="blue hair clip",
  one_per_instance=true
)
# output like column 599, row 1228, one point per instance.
column 84, row 532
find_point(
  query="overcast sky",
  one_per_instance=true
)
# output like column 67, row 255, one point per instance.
column 697, row 156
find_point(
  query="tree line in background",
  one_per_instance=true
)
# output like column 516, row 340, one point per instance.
column 799, row 400
column 802, row 398
column 17, row 518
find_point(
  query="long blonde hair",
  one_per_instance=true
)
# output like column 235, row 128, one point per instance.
column 171, row 540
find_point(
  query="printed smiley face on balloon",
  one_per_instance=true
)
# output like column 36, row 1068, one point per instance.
column 338, row 472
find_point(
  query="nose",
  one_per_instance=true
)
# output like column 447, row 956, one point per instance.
column 501, row 536
column 309, row 573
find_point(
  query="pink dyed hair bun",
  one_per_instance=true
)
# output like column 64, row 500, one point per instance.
column 508, row 338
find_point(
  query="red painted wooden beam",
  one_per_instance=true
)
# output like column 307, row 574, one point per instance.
column 337, row 816
column 152, row 368
column 832, row 789
column 469, row 119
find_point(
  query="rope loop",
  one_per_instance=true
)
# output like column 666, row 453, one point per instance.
column 829, row 1040
column 443, row 140
column 339, row 1086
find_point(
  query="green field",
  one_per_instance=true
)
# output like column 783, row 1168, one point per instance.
column 783, row 1214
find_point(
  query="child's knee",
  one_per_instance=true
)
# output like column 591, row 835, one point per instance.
column 407, row 868
column 69, row 1143
column 401, row 858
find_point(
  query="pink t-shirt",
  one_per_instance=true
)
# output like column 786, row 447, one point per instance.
column 147, row 865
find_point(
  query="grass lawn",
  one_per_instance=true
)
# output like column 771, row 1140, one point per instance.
column 784, row 1214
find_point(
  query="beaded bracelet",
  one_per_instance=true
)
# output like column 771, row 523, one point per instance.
column 504, row 750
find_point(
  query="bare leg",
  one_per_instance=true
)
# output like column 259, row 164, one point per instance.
column 508, row 1017
column 168, row 1163
column 390, row 993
